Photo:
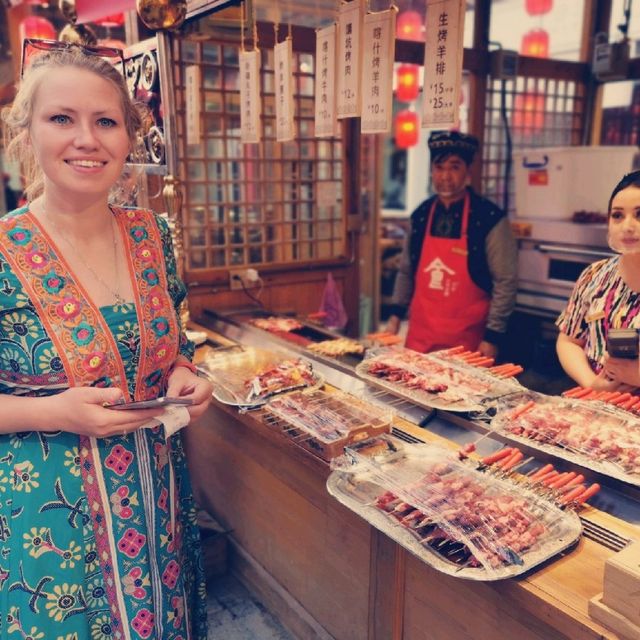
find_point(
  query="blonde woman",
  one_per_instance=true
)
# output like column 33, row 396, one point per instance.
column 96, row 516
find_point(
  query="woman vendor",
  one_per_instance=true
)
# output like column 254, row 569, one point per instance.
column 606, row 296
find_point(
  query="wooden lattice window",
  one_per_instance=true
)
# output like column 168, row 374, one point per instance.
column 542, row 112
column 255, row 205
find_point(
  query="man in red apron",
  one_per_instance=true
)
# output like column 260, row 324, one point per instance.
column 458, row 275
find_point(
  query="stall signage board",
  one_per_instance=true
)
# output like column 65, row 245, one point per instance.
column 443, row 63
column 378, row 39
column 283, row 59
column 349, row 56
column 250, row 96
column 325, row 106
column 192, row 104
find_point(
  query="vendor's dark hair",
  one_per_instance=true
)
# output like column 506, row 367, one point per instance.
column 629, row 180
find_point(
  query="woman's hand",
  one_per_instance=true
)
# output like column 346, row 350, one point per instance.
column 488, row 349
column 622, row 370
column 183, row 383
column 393, row 324
column 602, row 382
column 81, row 410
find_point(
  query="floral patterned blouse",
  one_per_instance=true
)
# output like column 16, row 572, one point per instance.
column 98, row 539
column 600, row 300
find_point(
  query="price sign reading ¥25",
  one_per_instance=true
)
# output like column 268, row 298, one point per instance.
column 443, row 63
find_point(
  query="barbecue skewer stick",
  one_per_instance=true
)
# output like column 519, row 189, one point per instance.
column 533, row 475
column 579, row 479
column 587, row 493
column 572, row 495
column 522, row 409
column 494, row 457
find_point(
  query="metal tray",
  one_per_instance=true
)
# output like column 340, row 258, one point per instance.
column 229, row 371
column 495, row 387
column 357, row 486
column 594, row 411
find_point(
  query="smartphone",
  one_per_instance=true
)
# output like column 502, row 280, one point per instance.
column 148, row 404
column 622, row 343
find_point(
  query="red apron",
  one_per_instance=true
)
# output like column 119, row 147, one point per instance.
column 448, row 308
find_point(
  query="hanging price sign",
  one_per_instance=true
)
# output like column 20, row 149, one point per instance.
column 192, row 88
column 250, row 96
column 443, row 63
column 378, row 37
column 348, row 63
column 325, row 112
column 283, row 60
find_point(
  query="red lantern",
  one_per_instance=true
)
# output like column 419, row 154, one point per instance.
column 538, row 7
column 407, row 82
column 114, row 20
column 37, row 27
column 406, row 129
column 409, row 26
column 528, row 112
column 535, row 43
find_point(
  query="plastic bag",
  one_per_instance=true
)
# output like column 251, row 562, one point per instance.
column 336, row 317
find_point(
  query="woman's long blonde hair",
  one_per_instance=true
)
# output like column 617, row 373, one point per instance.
column 18, row 117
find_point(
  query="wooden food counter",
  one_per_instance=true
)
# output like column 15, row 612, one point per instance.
column 328, row 574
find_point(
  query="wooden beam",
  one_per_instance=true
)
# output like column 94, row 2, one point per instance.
column 478, row 81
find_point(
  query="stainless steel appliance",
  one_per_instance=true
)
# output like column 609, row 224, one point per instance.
column 552, row 255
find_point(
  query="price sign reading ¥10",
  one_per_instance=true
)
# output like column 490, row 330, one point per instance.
column 250, row 104
column 283, row 59
column 443, row 63
column 378, row 41
column 325, row 111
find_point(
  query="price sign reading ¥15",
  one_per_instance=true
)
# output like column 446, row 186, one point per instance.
column 443, row 63
column 348, row 62
column 250, row 96
column 325, row 111
column 378, row 41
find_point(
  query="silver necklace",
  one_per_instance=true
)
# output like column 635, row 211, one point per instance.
column 118, row 298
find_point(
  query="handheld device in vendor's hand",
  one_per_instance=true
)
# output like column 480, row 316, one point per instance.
column 164, row 401
column 622, row 343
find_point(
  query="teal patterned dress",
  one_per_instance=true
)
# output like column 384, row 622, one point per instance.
column 98, row 538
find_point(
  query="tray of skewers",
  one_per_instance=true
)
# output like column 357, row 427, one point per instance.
column 337, row 347
column 592, row 434
column 249, row 377
column 277, row 324
column 323, row 422
column 439, row 380
column 470, row 519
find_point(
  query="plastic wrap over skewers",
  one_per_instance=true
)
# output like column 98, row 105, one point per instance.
column 443, row 380
column 596, row 435
column 325, row 422
column 249, row 377
column 454, row 514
